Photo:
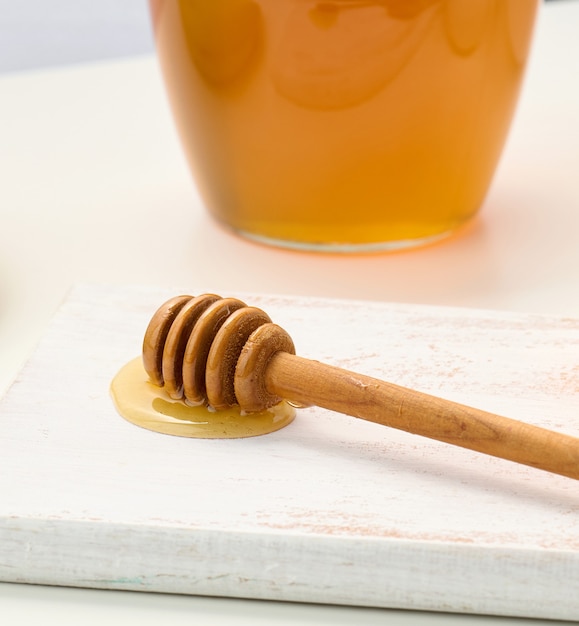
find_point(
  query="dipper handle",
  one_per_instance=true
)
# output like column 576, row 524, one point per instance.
column 307, row 382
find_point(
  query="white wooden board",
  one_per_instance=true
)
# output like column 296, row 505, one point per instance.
column 330, row 509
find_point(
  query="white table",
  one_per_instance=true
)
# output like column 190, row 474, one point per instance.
column 95, row 189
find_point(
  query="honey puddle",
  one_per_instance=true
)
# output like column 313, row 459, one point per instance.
column 144, row 404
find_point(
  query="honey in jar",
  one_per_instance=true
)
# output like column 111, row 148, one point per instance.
column 343, row 124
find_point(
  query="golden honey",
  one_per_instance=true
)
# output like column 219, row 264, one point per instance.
column 343, row 124
column 142, row 403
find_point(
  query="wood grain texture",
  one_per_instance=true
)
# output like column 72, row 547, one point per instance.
column 330, row 509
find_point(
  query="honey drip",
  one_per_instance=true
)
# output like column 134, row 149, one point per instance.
column 142, row 403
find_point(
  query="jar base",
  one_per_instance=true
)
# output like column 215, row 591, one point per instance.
column 345, row 247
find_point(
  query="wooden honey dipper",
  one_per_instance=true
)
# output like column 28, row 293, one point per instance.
column 221, row 352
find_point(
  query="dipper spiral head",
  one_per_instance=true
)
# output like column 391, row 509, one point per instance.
column 212, row 350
